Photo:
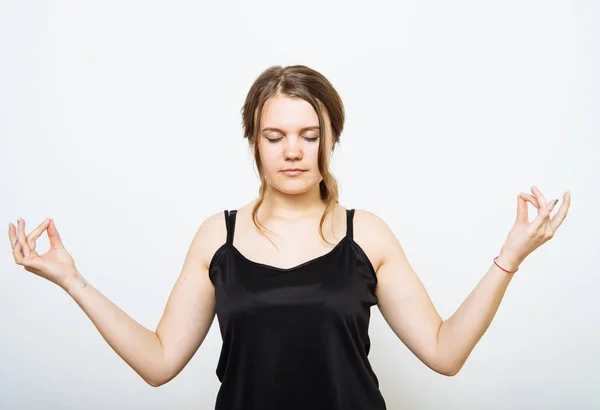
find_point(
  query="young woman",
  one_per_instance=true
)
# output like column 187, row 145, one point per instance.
column 292, row 275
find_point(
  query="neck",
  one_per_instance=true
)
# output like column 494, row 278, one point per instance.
column 279, row 205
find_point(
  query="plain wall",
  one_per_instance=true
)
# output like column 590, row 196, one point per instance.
column 121, row 120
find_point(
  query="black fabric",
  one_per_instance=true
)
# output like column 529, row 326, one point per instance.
column 295, row 338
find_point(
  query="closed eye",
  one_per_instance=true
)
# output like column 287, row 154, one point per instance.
column 309, row 139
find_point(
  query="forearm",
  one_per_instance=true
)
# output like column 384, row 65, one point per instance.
column 459, row 334
column 138, row 346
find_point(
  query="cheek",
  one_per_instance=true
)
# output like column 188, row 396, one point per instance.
column 269, row 157
column 311, row 156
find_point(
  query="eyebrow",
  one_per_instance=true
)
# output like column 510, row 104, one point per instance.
column 313, row 127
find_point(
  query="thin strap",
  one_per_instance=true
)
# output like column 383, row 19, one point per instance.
column 226, row 212
column 230, row 224
column 349, row 219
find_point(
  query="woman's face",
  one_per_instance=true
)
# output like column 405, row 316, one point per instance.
column 288, row 144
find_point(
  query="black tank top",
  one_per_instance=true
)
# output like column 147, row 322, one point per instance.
column 295, row 338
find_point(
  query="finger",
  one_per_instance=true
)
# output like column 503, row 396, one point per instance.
column 21, row 237
column 522, row 211
column 557, row 220
column 17, row 248
column 33, row 235
column 12, row 235
column 543, row 215
column 538, row 194
column 18, row 253
column 530, row 198
column 54, row 236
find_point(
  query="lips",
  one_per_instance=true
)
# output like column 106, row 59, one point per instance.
column 291, row 172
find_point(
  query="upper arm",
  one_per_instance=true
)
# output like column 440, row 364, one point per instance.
column 190, row 309
column 402, row 299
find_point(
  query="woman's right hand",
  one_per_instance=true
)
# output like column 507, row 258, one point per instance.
column 56, row 265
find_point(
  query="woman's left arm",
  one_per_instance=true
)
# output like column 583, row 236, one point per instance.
column 444, row 346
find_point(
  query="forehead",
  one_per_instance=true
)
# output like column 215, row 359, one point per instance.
column 288, row 113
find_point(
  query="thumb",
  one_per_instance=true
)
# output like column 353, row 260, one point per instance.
column 54, row 236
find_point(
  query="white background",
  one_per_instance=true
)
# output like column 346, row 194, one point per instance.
column 121, row 120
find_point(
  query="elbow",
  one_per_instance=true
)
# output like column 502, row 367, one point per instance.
column 450, row 373
column 153, row 383
column 158, row 380
column 449, row 370
column 160, row 374
column 447, row 364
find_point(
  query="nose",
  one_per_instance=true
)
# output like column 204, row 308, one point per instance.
column 292, row 149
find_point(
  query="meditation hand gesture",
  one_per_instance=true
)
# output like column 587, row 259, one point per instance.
column 56, row 264
column 525, row 237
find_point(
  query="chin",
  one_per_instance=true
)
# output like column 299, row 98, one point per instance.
column 293, row 189
column 295, row 186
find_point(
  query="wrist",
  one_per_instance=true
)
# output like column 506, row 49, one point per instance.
column 73, row 282
column 507, row 262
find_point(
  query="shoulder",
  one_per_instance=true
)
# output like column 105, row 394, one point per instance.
column 374, row 235
column 209, row 237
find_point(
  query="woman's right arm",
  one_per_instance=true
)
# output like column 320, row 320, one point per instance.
column 158, row 356
column 138, row 346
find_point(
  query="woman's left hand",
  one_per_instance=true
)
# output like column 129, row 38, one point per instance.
column 525, row 236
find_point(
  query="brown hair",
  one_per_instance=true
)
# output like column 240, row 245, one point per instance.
column 297, row 81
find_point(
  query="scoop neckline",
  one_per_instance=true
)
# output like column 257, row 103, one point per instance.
column 296, row 267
